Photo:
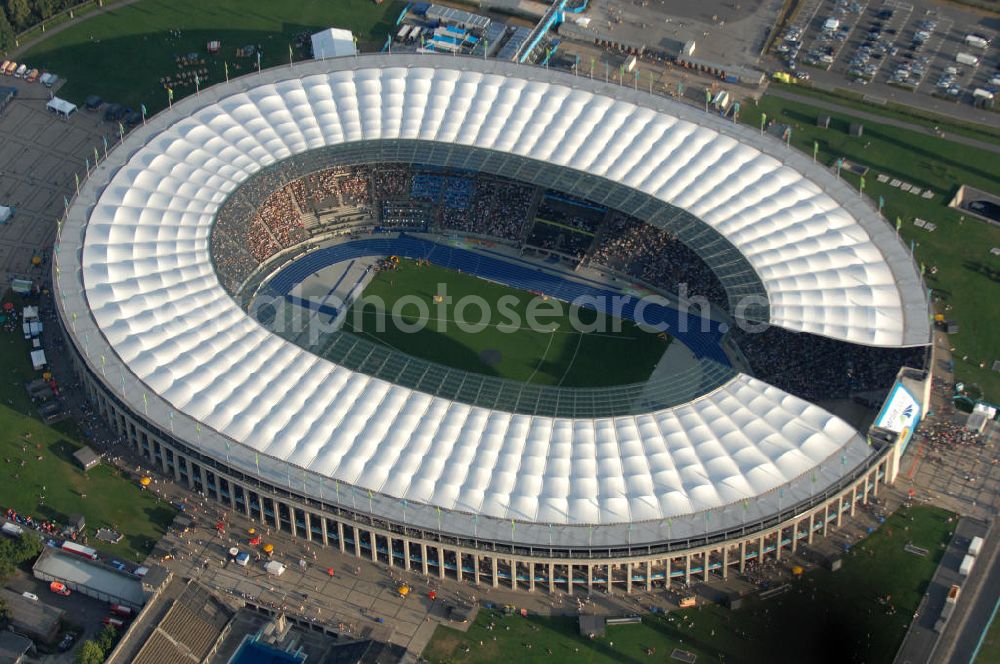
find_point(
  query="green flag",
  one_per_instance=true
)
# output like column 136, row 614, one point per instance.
column 815, row 149
column 899, row 223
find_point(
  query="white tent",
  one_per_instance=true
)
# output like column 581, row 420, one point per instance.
column 333, row 43
column 61, row 107
column 38, row 359
column 5, row 214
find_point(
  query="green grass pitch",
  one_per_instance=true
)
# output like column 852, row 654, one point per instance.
column 556, row 354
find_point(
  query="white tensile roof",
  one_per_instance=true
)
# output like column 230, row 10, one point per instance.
column 158, row 308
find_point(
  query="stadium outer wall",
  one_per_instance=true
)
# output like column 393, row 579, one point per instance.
column 484, row 563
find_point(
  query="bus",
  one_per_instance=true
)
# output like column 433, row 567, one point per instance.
column 80, row 550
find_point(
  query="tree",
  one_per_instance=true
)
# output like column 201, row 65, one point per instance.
column 6, row 32
column 89, row 653
column 106, row 638
column 19, row 13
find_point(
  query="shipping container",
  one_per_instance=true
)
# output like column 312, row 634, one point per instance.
column 975, row 546
column 966, row 565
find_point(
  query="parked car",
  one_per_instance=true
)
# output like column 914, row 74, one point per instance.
column 67, row 642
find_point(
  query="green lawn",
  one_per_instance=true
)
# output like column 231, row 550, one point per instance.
column 826, row 617
column 54, row 487
column 968, row 277
column 122, row 54
column 949, row 125
column 989, row 651
column 554, row 354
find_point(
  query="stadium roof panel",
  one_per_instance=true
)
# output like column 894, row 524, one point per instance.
column 147, row 278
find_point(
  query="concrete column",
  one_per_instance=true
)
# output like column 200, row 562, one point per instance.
column 357, row 541
column 875, row 482
column 177, row 471
column 201, row 468
column 531, row 577
column 795, row 536
column 687, row 569
column 513, row 574
column 495, row 580
column 649, row 575
column 854, row 500
column 307, row 519
column 423, row 559
column 389, row 545
column 706, row 559
column 590, row 578
column 760, row 549
column 812, row 526
column 552, row 579
column 777, row 545
column 609, row 583
column 864, row 498
column 569, row 578
column 440, row 562
column 840, row 510
column 743, row 556
column 260, row 504
column 322, row 529
column 340, row 537
column 628, row 578
column 292, row 528
column 406, row 554
column 475, row 568
column 826, row 517
column 725, row 563
column 373, row 542
column 163, row 462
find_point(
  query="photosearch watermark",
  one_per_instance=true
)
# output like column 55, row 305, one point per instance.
column 310, row 319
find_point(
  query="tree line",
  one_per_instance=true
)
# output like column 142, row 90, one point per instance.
column 16, row 16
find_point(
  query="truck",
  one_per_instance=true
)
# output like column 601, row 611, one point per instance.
column 976, row 41
column 122, row 611
column 11, row 529
column 967, row 59
column 975, row 546
column 966, row 567
column 949, row 607
column 242, row 558
column 274, row 568
column 80, row 550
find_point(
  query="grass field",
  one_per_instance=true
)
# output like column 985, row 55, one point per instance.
column 949, row 125
column 54, row 487
column 556, row 354
column 967, row 277
column 989, row 651
column 122, row 54
column 826, row 617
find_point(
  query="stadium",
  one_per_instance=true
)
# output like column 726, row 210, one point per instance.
column 187, row 253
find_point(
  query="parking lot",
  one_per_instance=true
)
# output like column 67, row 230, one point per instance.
column 895, row 46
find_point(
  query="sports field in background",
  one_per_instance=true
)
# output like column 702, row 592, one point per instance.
column 557, row 354
column 967, row 278
column 824, row 617
column 121, row 55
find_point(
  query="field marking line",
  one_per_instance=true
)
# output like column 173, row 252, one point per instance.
column 579, row 342
column 552, row 337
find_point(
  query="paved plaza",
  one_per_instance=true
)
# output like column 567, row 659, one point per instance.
column 39, row 155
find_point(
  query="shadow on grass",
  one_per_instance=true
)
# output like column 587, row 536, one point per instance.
column 63, row 450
